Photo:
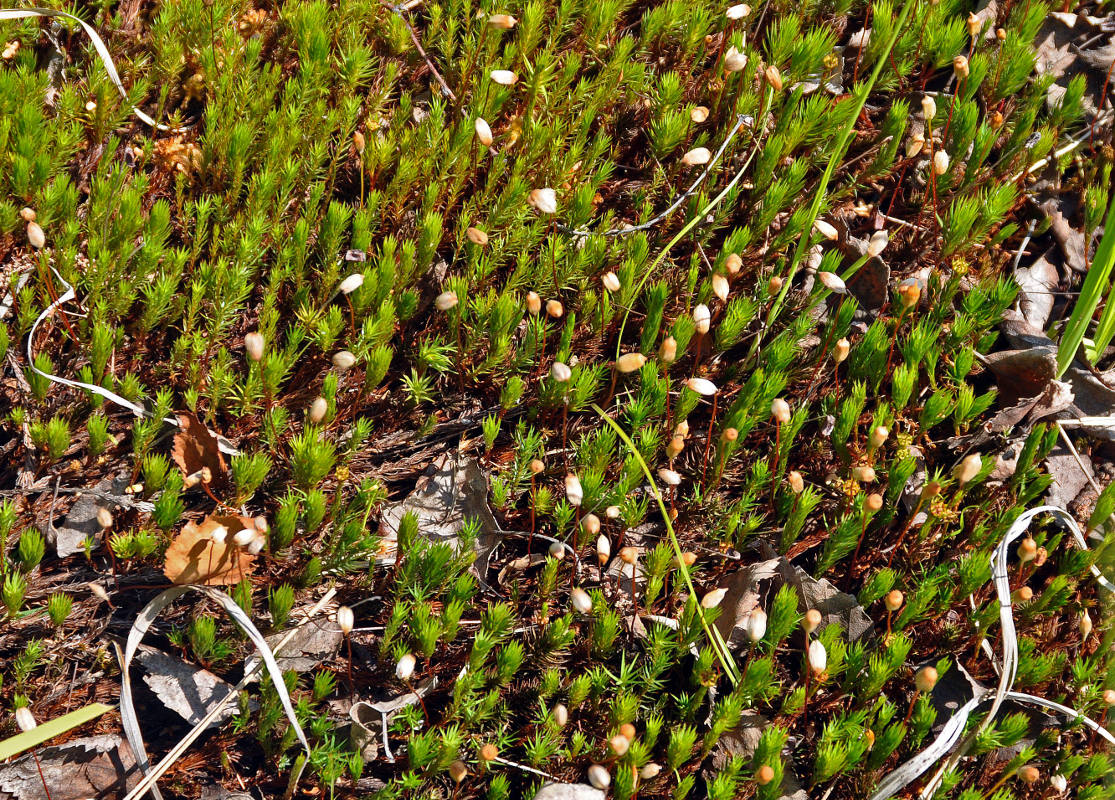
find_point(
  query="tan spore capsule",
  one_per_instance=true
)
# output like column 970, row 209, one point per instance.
column 458, row 771
column 817, row 657
column 968, row 469
column 668, row 350
column 404, row 669
column 581, row 601
column 35, row 235
column 345, row 619
column 27, row 214
column 253, row 345
column 351, row 283
column 702, row 318
column 720, row 287
column 343, row 360
column 734, row 60
column 533, row 303
column 590, row 524
column 1084, row 625
column 611, row 282
column 764, row 775
column 699, row 114
column 729, row 435
column 318, row 409
column 675, row 446
column 874, row 502
column 573, row 491
column 554, row 309
column 543, row 200
column 812, row 620
column 1027, row 550
column 1029, row 774
column 925, row 679
column 894, row 599
column 773, row 77
column 713, row 598
column 928, row 108
column 733, row 263
column 701, row 386
column 774, row 285
column 24, row 719
column 503, row 22
column 696, row 157
column 630, row 362
column 960, row 67
column 840, row 350
column 864, row 473
column 561, row 373
column 669, row 477
column 974, row 25
column 826, row 229
column 797, row 483
column 780, row 411
column 877, row 243
column 599, row 777
column 560, row 715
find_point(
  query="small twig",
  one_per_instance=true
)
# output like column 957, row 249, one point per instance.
column 425, row 57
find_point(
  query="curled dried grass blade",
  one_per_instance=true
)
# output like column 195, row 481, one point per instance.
column 127, row 707
column 98, row 45
column 69, row 294
column 953, row 729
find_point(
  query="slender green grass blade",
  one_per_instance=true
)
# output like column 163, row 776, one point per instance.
column 1105, row 255
column 1097, row 280
column 719, row 646
column 48, row 730
column 861, row 93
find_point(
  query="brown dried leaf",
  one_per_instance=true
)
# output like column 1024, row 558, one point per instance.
column 93, row 767
column 194, row 557
column 195, row 447
column 1024, row 372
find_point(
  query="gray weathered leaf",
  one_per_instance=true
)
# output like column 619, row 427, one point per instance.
column 187, row 690
column 452, row 491
column 310, row 645
column 81, row 522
